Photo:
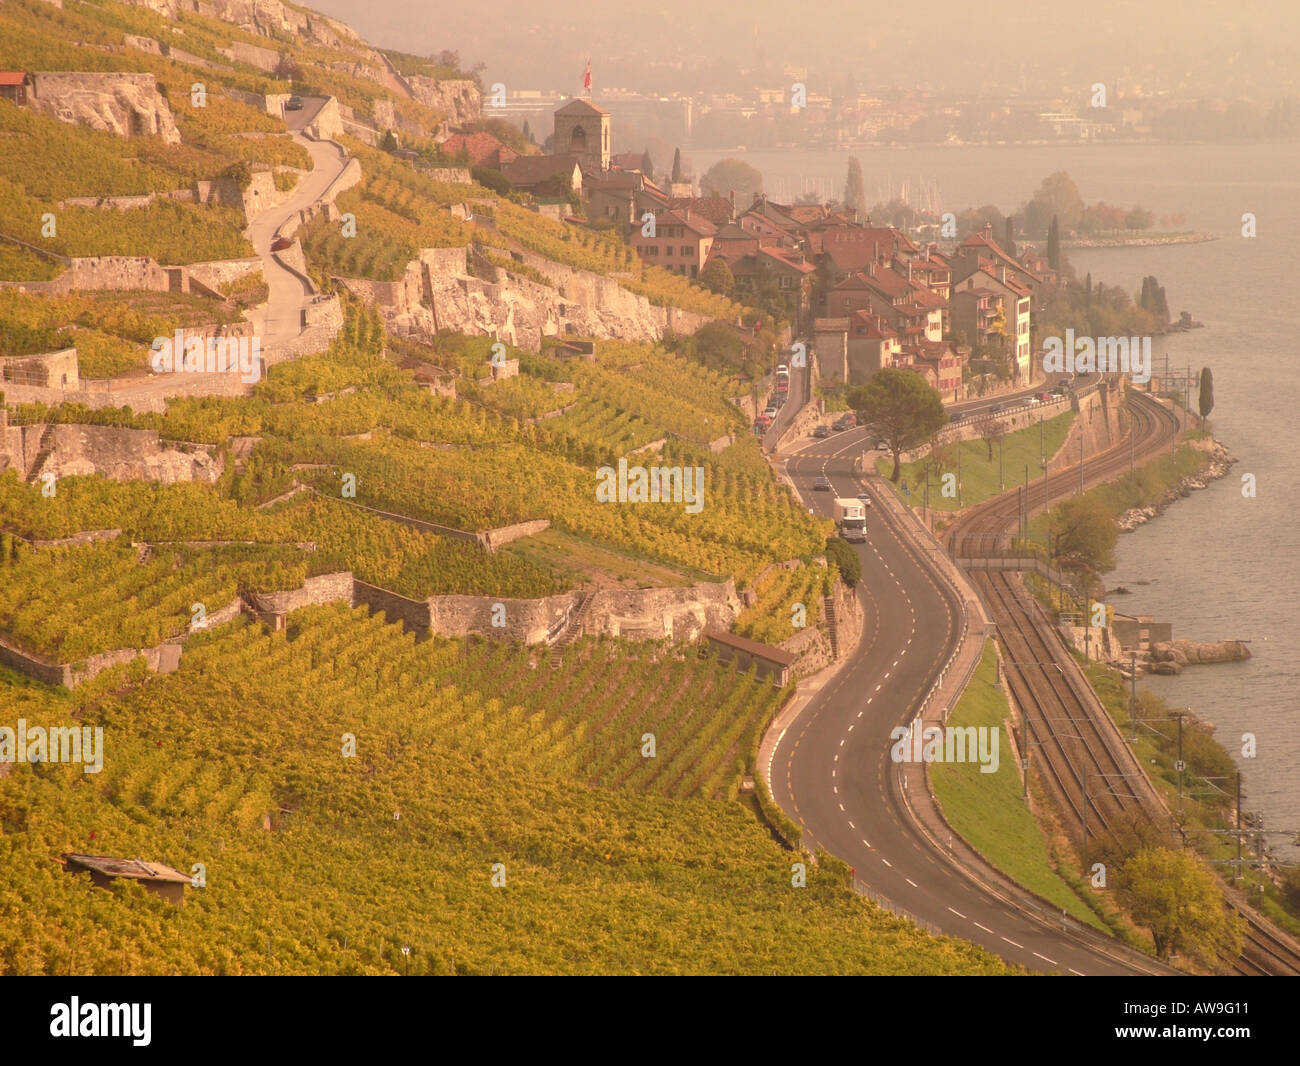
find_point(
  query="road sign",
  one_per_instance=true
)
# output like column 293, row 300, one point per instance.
column 906, row 491
column 1180, row 766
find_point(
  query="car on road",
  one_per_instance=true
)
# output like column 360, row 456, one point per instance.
column 1060, row 389
column 1042, row 397
column 846, row 421
column 996, row 409
column 770, row 413
column 865, row 498
column 294, row 104
column 956, row 416
column 822, row 484
column 280, row 244
column 822, row 432
column 1030, row 401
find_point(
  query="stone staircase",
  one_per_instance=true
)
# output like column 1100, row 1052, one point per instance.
column 832, row 629
column 572, row 629
column 42, row 454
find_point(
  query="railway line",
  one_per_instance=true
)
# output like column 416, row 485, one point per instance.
column 1088, row 766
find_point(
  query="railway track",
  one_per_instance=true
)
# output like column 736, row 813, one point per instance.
column 1086, row 762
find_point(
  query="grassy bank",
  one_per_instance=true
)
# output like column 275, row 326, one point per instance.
column 987, row 809
column 979, row 475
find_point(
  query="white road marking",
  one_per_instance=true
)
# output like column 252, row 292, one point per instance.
column 1014, row 944
column 1046, row 959
column 910, row 881
column 1076, row 973
column 958, row 913
column 985, row 928
column 888, row 863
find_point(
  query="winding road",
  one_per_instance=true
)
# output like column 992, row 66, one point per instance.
column 830, row 769
column 282, row 319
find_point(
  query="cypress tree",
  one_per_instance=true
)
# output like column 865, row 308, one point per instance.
column 1206, row 399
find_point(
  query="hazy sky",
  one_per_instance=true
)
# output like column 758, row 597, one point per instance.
column 1218, row 49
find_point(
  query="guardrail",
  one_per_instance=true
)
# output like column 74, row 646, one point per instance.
column 860, row 887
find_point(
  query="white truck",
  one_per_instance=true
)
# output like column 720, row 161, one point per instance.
column 851, row 518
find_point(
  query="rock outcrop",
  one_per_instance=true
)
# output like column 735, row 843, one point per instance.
column 128, row 105
column 1198, row 652
column 458, row 100
column 121, row 454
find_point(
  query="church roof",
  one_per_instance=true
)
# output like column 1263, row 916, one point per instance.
column 579, row 106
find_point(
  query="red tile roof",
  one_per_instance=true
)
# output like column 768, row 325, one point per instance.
column 717, row 209
column 12, row 77
column 693, row 222
column 483, row 149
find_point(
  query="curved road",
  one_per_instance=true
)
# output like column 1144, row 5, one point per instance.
column 830, row 769
column 283, row 317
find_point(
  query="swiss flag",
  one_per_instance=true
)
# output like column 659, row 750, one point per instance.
column 586, row 78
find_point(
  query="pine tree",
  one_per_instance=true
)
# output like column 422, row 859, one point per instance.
column 1054, row 244
column 1087, row 292
column 528, row 133
column 677, row 164
column 647, row 165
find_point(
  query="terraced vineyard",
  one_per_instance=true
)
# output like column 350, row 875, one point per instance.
column 770, row 619
column 446, row 781
column 69, row 603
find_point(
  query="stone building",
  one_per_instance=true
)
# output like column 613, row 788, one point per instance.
column 582, row 129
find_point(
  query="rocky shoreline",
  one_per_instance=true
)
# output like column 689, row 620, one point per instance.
column 1220, row 464
column 1139, row 242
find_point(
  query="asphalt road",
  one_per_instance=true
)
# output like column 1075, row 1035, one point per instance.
column 283, row 317
column 831, row 770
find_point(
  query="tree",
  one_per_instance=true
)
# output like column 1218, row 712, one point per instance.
column 1054, row 244
column 1010, row 241
column 1206, row 399
column 717, row 277
column 992, row 430
column 528, row 132
column 1057, row 197
column 901, row 408
column 732, row 175
column 388, row 142
column 647, row 165
column 1172, row 895
column 841, row 556
column 855, row 193
column 1081, row 531
column 677, row 164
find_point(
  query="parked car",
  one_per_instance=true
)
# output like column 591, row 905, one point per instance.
column 842, row 424
column 280, row 244
column 822, row 432
column 770, row 413
column 822, row 484
column 294, row 104
column 848, row 420
column 781, row 368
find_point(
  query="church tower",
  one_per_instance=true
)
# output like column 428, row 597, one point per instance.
column 582, row 128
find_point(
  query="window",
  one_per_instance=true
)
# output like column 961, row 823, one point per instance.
column 669, row 250
column 686, row 250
